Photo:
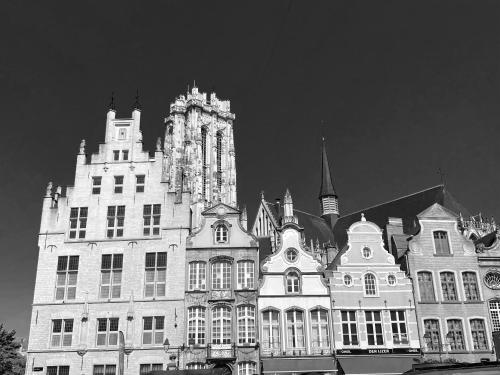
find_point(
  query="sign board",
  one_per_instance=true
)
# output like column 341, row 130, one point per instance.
column 37, row 369
column 378, row 351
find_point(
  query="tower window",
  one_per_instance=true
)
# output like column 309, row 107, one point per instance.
column 221, row 234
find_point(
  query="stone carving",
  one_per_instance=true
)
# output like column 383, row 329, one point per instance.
column 49, row 189
column 82, row 147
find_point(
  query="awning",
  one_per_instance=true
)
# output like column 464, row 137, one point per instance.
column 298, row 365
column 387, row 365
column 212, row 371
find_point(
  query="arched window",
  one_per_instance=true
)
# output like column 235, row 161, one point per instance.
column 196, row 326
column 247, row 368
column 246, row 324
column 221, row 233
column 219, row 161
column 319, row 329
column 221, row 275
column 295, row 329
column 221, row 325
column 204, row 162
column 370, row 285
column 367, row 252
column 271, row 332
column 292, row 282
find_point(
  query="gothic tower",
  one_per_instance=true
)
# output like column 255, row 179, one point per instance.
column 199, row 151
column 327, row 196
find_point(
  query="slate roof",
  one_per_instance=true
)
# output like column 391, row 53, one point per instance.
column 326, row 188
column 487, row 240
column 400, row 242
column 315, row 228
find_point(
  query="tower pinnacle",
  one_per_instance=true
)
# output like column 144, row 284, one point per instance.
column 327, row 196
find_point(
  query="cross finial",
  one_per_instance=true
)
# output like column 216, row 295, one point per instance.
column 441, row 174
column 112, row 102
column 137, row 105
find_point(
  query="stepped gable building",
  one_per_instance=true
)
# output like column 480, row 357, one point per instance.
column 451, row 307
column 294, row 305
column 221, row 294
column 373, row 312
column 110, row 277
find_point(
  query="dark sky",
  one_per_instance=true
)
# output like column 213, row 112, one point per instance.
column 402, row 88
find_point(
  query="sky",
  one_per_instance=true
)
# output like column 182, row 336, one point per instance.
column 398, row 89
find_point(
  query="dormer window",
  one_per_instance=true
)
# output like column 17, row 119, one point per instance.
column 221, row 233
column 292, row 282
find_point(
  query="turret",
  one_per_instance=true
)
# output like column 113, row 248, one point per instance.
column 288, row 216
column 327, row 196
column 243, row 218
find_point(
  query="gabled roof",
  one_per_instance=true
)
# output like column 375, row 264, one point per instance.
column 214, row 209
column 436, row 211
column 406, row 208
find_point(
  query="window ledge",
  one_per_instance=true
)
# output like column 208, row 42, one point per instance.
column 443, row 255
column 452, row 302
column 196, row 291
column 473, row 302
column 458, row 352
column 429, row 302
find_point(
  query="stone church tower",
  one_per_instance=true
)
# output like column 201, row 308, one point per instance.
column 199, row 151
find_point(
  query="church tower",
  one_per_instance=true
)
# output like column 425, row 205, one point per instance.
column 199, row 151
column 327, row 196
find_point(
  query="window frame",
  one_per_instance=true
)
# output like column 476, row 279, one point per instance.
column 375, row 285
column 125, row 155
column 58, row 370
column 197, row 280
column 246, row 269
column 104, row 369
column 324, row 342
column 450, row 250
column 154, row 331
column 150, row 367
column 108, row 334
column 486, row 333
column 225, row 281
column 374, row 323
column 399, row 324
column 223, row 323
column 62, row 334
column 197, row 325
column 156, row 279
column 113, row 270
column 222, row 233
column 495, row 320
column 140, row 187
column 296, row 289
column 117, row 185
column 96, row 187
column 433, row 283
column 464, row 339
column 349, row 323
column 295, row 337
column 117, row 228
column 68, row 273
column 246, row 368
column 246, row 324
column 79, row 221
column 439, row 332
column 457, row 292
column 151, row 213
column 464, row 288
column 274, row 345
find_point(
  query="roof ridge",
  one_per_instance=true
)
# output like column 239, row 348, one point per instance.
column 392, row 200
column 307, row 213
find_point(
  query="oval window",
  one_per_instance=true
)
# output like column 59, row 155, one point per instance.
column 367, row 252
column 391, row 280
column 492, row 280
column 291, row 254
column 347, row 280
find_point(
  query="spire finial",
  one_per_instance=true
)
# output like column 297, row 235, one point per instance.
column 112, row 102
column 137, row 105
column 363, row 218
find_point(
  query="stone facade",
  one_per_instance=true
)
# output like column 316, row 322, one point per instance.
column 451, row 308
column 221, row 293
column 373, row 312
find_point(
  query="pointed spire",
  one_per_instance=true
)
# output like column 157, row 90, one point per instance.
column 288, row 208
column 137, row 104
column 112, row 106
column 326, row 179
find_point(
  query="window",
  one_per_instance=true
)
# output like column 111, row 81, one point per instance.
column 246, row 324
column 104, row 370
column 247, row 368
column 111, row 275
column 221, row 233
column 57, row 370
column 204, row 162
column 426, row 287
column 441, row 243
column 246, row 274
column 148, row 367
column 291, row 255
column 67, row 273
column 295, row 329
column 492, row 279
column 349, row 328
column 151, row 215
column 197, row 275
column 367, row 252
column 478, row 331
column 221, row 325
column 347, row 280
column 152, row 330
column 122, row 133
column 78, row 222
column 195, row 366
column 471, row 288
column 495, row 314
column 271, row 330
column 455, row 335
column 219, row 160
column 398, row 324
column 374, row 328
column 125, row 154
column 118, row 184
column 96, row 184
column 391, row 280
column 116, row 219
column 62, row 333
column 319, row 328
column 196, row 326
column 221, row 275
column 448, row 286
column 156, row 274
column 107, row 331
column 140, row 180
column 370, row 285
column 431, row 327
column 116, row 155
column 292, row 282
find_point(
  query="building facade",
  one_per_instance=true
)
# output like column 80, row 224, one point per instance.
column 451, row 307
column 221, row 294
column 294, row 305
column 110, row 284
column 373, row 313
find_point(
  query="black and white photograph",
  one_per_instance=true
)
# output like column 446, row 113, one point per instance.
column 220, row 187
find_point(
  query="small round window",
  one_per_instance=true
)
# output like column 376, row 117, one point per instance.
column 492, row 280
column 367, row 252
column 291, row 254
column 347, row 280
column 391, row 280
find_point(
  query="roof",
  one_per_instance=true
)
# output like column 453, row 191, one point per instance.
column 401, row 243
column 326, row 178
column 406, row 208
column 487, row 240
column 315, row 228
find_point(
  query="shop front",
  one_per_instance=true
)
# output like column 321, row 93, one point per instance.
column 324, row 365
column 376, row 361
